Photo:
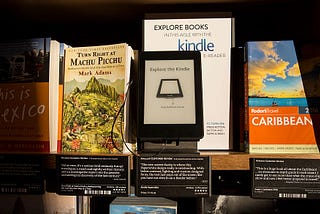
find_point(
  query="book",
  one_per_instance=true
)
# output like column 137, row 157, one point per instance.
column 309, row 63
column 22, row 203
column 133, row 205
column 232, row 204
column 213, row 35
column 47, row 203
column 53, row 95
column 56, row 93
column 54, row 203
column 95, row 85
column 278, row 116
column 131, row 107
column 237, row 106
column 26, row 67
column 59, row 98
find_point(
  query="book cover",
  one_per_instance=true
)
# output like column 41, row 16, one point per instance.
column 48, row 203
column 22, row 203
column 213, row 35
column 24, row 90
column 240, row 204
column 94, row 94
column 279, row 119
column 135, row 205
column 236, row 204
column 54, row 203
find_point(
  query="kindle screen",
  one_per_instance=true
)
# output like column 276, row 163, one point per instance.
column 169, row 96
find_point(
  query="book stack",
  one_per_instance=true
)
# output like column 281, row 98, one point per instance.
column 56, row 100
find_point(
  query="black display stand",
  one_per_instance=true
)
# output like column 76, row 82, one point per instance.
column 170, row 147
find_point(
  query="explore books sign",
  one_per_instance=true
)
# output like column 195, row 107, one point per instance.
column 212, row 34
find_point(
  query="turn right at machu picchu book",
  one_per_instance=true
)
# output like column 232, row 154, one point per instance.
column 281, row 116
column 94, row 93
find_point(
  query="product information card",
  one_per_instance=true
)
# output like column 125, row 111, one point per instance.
column 172, row 176
column 93, row 175
column 21, row 174
column 285, row 178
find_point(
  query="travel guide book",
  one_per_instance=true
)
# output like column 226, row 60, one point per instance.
column 94, row 93
column 24, row 93
column 213, row 35
column 135, row 205
column 279, row 116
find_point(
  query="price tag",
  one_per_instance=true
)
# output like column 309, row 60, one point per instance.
column 173, row 176
column 21, row 174
column 285, row 178
column 93, row 175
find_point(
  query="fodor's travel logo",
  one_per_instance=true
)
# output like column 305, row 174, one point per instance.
column 264, row 110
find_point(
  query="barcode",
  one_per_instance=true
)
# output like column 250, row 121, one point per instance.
column 292, row 195
column 13, row 190
column 97, row 192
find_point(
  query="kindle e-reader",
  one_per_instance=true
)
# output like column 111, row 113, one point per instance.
column 170, row 96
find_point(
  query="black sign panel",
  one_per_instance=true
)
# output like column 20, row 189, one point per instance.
column 93, row 175
column 285, row 178
column 173, row 176
column 21, row 174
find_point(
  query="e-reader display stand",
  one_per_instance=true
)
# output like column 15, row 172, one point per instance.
column 170, row 109
column 170, row 124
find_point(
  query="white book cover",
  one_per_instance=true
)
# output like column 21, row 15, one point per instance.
column 214, row 37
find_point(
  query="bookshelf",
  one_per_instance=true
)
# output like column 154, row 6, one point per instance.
column 80, row 23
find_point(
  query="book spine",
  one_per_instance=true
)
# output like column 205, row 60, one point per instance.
column 237, row 99
column 245, row 103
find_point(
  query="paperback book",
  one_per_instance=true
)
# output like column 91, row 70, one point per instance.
column 95, row 84
column 56, row 93
column 58, row 99
column 135, row 205
column 48, row 203
column 278, row 111
column 213, row 36
column 26, row 65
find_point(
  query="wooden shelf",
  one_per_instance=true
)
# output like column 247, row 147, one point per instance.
column 240, row 160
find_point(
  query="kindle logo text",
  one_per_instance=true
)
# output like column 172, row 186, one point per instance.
column 202, row 45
